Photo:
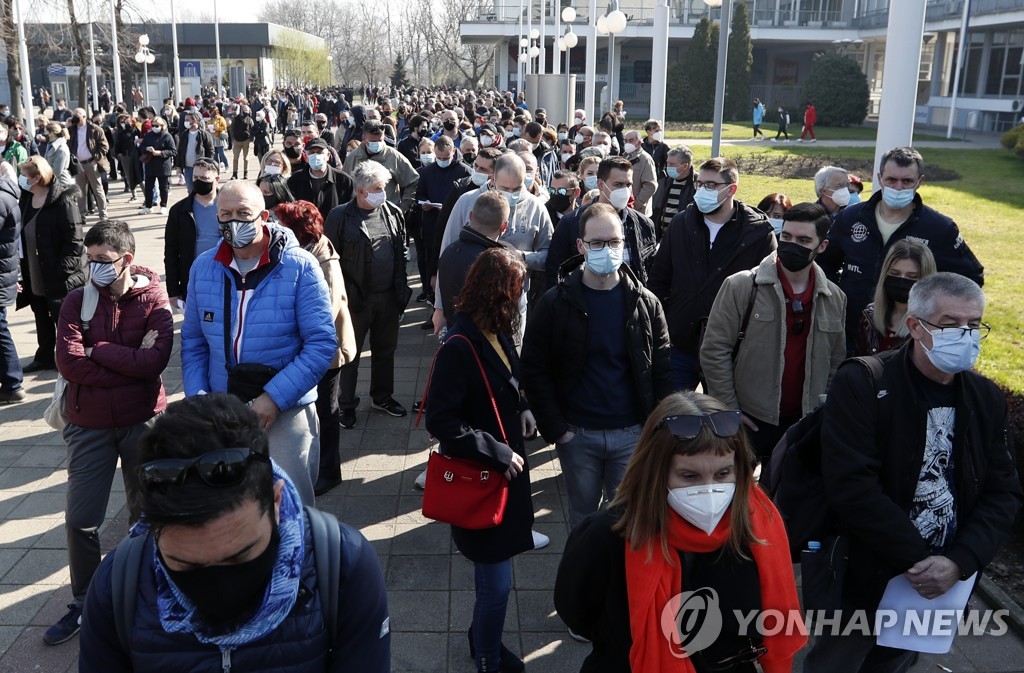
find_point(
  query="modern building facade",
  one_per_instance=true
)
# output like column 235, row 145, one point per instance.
column 786, row 35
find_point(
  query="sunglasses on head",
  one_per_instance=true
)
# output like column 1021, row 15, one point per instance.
column 722, row 423
column 223, row 467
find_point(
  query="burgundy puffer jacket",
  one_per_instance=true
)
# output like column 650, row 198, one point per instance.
column 119, row 385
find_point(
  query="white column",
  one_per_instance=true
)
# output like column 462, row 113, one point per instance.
column 591, row 73
column 26, row 78
column 723, row 55
column 556, row 60
column 899, row 77
column 659, row 61
column 92, row 67
column 216, row 42
column 542, row 67
column 960, row 55
column 177, row 65
column 118, row 93
column 503, row 83
column 529, row 34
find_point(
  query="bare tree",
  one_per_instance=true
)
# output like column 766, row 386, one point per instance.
column 9, row 36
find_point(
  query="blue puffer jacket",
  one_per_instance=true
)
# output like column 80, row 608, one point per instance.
column 287, row 322
column 299, row 644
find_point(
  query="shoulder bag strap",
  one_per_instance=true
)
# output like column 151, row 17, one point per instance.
column 326, row 536
column 227, row 322
column 746, row 315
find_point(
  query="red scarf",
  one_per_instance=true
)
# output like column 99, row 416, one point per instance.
column 650, row 585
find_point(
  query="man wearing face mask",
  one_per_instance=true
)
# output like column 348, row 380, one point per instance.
column 450, row 128
column 293, row 148
column 469, row 149
column 89, row 144
column 547, row 156
column 194, row 144
column 241, row 136
column 932, row 497
column 191, row 229
column 408, row 147
column 489, row 137
column 615, row 182
column 228, row 569
column 562, row 195
column 793, row 340
column 863, row 232
column 401, row 189
column 654, row 144
column 645, row 175
column 831, row 184
column 578, row 122
column 112, row 368
column 318, row 182
column 436, row 182
column 676, row 189
column 595, row 363
column 277, row 339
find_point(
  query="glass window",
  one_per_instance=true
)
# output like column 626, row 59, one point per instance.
column 994, row 77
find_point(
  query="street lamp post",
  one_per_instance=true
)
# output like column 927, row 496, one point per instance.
column 659, row 61
column 145, row 57
column 174, row 47
column 118, row 92
column 92, row 67
column 723, row 55
column 569, row 40
column 615, row 22
column 590, row 76
column 26, row 74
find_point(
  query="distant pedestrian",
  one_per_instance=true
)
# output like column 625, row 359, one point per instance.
column 810, row 119
column 758, row 119
column 783, row 124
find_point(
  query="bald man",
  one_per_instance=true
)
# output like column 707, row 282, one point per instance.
column 88, row 142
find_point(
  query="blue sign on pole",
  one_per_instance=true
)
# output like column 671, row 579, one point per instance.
column 56, row 69
column 191, row 68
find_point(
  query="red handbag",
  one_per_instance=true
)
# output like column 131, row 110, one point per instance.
column 463, row 492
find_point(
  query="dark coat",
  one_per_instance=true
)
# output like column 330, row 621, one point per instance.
column 661, row 197
column 454, row 265
column 10, row 232
column 555, row 350
column 337, row 189
column 686, row 276
column 204, row 147
column 345, row 229
column 462, row 186
column 179, row 246
column 164, row 142
column 856, row 251
column 871, row 468
column 59, row 241
column 659, row 153
column 460, row 416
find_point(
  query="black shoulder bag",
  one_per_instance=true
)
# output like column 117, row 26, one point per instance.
column 246, row 380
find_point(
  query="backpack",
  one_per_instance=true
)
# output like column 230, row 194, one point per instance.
column 795, row 482
column 335, row 549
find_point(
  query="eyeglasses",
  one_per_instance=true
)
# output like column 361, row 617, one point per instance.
column 709, row 185
column 561, row 191
column 722, row 423
column 982, row 328
column 614, row 244
column 220, row 468
column 798, row 311
column 747, row 656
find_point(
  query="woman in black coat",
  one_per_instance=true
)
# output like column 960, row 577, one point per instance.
column 52, row 242
column 460, row 414
column 126, row 150
column 157, row 152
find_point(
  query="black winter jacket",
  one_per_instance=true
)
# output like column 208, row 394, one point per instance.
column 337, row 189
column 160, row 163
column 345, row 229
column 461, row 186
column 179, row 246
column 856, row 251
column 454, row 265
column 871, row 467
column 555, row 349
column 59, row 241
column 10, row 232
column 204, row 147
column 686, row 276
column 661, row 197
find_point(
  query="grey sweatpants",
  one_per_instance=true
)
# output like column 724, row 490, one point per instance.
column 295, row 446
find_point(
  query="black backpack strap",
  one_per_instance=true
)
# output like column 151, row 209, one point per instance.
column 746, row 315
column 227, row 322
column 327, row 543
column 124, row 585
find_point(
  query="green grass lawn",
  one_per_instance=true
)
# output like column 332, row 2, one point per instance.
column 744, row 131
column 987, row 203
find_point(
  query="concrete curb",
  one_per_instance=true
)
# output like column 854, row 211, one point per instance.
column 1002, row 600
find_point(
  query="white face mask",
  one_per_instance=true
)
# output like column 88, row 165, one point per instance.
column 565, row 157
column 376, row 199
column 658, row 136
column 629, row 148
column 841, row 197
column 703, row 506
column 271, row 169
column 619, row 198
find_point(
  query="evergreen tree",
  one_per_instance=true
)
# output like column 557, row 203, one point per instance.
column 838, row 88
column 691, row 85
column 398, row 75
column 738, row 101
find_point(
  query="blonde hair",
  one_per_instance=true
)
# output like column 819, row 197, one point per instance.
column 286, row 166
column 902, row 249
column 644, row 488
column 57, row 129
column 586, row 162
column 37, row 167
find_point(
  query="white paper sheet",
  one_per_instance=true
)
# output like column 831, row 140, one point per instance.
column 908, row 621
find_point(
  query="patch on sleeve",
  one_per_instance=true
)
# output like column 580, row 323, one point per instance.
column 385, row 627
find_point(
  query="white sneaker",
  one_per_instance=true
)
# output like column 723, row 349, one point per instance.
column 540, row 540
column 786, row 140
column 143, row 211
column 421, row 481
column 159, row 210
column 813, row 140
column 799, row 140
column 775, row 140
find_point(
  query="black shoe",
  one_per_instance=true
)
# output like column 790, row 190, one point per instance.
column 66, row 628
column 348, row 418
column 510, row 663
column 37, row 366
column 324, row 484
column 421, row 297
column 12, row 396
column 234, row 176
column 417, row 404
column 429, row 324
column 390, row 406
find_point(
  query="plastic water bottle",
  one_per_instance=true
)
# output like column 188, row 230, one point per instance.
column 441, row 333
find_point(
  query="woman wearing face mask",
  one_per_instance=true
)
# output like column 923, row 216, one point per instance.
column 588, row 173
column 11, row 151
column 274, row 162
column 774, row 206
column 485, row 420
column 687, row 516
column 157, row 151
column 57, row 153
column 220, row 138
column 126, row 151
column 883, row 326
column 51, row 239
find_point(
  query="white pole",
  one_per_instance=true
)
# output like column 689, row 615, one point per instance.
column 520, row 65
column 118, row 94
column 591, row 72
column 177, row 66
column 556, row 62
column 542, row 66
column 961, row 52
column 145, row 80
column 659, row 61
column 92, row 67
column 216, row 43
column 723, row 55
column 529, row 34
column 899, row 76
column 26, row 75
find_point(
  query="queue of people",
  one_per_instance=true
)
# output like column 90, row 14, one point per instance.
column 585, row 281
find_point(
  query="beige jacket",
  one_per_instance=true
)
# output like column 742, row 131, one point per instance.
column 402, row 187
column 330, row 263
column 754, row 383
column 645, row 182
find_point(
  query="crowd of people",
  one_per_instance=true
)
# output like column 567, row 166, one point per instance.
column 586, row 278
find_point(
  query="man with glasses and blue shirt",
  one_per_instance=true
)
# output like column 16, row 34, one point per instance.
column 930, row 499
column 227, row 570
column 863, row 232
column 774, row 336
column 595, row 363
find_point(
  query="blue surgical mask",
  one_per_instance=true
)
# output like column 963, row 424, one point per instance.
column 317, row 162
column 605, row 261
column 375, row 146
column 590, row 182
column 528, row 180
column 777, row 223
column 854, row 198
column 953, row 351
column 673, row 172
column 897, row 199
column 707, row 199
column 512, row 197
column 23, row 183
column 426, row 159
column 444, row 163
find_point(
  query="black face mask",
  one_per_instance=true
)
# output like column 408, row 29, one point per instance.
column 898, row 288
column 794, row 257
column 469, row 158
column 422, row 132
column 449, row 126
column 270, row 202
column 321, row 125
column 226, row 596
column 202, row 187
column 561, row 202
column 293, row 152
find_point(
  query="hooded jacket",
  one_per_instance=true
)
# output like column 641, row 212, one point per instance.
column 59, row 240
column 118, row 385
column 10, row 232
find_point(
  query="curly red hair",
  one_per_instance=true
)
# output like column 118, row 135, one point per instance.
column 303, row 218
column 491, row 292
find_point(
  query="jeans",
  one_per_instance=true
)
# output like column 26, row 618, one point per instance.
column 328, row 413
column 594, row 461
column 222, row 158
column 187, row 172
column 11, row 375
column 493, row 585
column 379, row 316
column 92, row 460
column 46, row 311
column 855, row 653
column 685, row 370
